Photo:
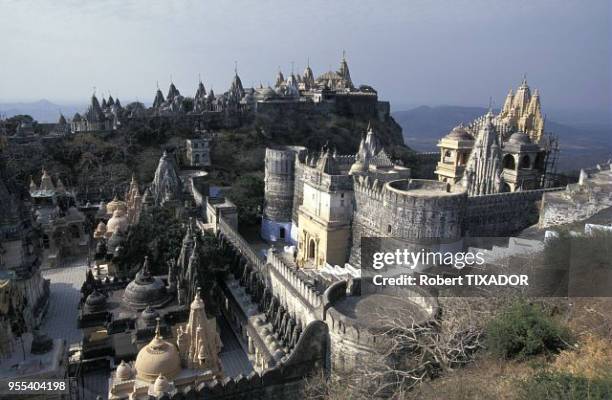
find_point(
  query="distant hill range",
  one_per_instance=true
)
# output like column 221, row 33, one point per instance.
column 41, row 111
column 582, row 145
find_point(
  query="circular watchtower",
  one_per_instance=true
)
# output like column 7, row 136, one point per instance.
column 279, row 187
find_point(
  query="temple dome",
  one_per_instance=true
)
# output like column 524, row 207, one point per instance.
column 459, row 133
column 519, row 138
column 116, row 204
column 157, row 358
column 118, row 222
column 145, row 290
column 149, row 315
column 96, row 301
column 161, row 385
column 124, row 371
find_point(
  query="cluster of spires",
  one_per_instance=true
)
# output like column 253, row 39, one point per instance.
column 46, row 183
column 183, row 274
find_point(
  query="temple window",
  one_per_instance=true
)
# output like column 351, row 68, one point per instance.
column 448, row 156
column 525, row 162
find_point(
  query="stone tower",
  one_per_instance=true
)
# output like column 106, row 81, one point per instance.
column 324, row 217
column 279, row 191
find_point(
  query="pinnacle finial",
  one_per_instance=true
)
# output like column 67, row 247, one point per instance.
column 157, row 329
column 145, row 267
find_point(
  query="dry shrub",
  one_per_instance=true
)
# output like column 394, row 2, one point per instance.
column 592, row 359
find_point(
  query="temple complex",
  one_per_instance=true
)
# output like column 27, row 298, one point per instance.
column 61, row 222
column 511, row 148
column 330, row 91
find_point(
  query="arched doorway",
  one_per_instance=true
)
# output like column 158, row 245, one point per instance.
column 312, row 246
column 508, row 162
column 281, row 233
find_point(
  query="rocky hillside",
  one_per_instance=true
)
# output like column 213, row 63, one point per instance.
column 94, row 163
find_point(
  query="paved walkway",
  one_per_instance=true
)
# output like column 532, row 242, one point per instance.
column 233, row 358
column 61, row 319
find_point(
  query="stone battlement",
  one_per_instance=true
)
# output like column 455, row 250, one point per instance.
column 357, row 321
column 290, row 287
column 503, row 214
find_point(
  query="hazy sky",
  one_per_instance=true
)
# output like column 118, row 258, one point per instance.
column 413, row 52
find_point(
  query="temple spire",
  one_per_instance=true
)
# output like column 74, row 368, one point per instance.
column 157, row 329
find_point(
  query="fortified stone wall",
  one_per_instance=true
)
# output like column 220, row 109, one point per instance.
column 342, row 104
column 353, row 336
column 502, row 214
column 297, row 296
column 415, row 212
column 362, row 104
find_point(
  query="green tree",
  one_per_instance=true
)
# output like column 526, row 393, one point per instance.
column 158, row 235
column 248, row 195
column 524, row 329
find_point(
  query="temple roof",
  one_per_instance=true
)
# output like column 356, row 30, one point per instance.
column 166, row 185
column 145, row 290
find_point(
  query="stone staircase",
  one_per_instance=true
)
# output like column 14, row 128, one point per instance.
column 516, row 246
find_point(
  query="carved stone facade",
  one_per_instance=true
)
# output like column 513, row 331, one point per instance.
column 483, row 171
column 198, row 152
column 62, row 223
column 468, row 155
